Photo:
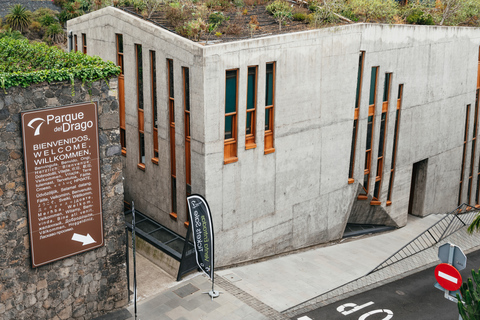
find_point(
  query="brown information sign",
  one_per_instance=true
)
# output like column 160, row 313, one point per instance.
column 62, row 167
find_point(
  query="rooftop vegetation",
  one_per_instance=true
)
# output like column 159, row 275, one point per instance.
column 204, row 20
column 23, row 63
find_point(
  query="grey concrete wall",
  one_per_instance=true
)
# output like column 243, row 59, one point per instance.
column 299, row 195
column 151, row 189
column 83, row 286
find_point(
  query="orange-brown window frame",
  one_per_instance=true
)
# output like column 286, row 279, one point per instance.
column 382, row 140
column 230, row 137
column 395, row 144
column 140, row 113
column 121, row 92
column 361, row 60
column 171, row 119
column 84, row 43
column 251, row 107
column 465, row 140
column 269, row 109
column 153, row 85
column 370, row 135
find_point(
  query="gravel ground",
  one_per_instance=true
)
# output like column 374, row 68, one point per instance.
column 29, row 4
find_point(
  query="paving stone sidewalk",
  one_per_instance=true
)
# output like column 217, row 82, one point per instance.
column 187, row 300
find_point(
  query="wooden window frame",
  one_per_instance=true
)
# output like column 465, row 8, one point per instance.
column 171, row 119
column 369, row 151
column 121, row 92
column 361, row 63
column 395, row 144
column 153, row 86
column 75, row 42
column 382, row 140
column 140, row 106
column 84, row 43
column 270, row 110
column 230, row 144
column 250, row 137
column 465, row 141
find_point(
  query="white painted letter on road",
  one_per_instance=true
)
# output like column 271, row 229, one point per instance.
column 354, row 307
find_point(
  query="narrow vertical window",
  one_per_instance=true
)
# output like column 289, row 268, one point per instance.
column 153, row 80
column 477, row 194
column 186, row 108
column 465, row 139
column 171, row 117
column 382, row 138
column 250, row 129
column 231, row 98
column 141, row 120
column 84, row 43
column 121, row 93
column 395, row 144
column 370, row 127
column 269, row 107
column 75, row 43
column 361, row 59
column 474, row 146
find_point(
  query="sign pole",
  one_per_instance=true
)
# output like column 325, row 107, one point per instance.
column 134, row 262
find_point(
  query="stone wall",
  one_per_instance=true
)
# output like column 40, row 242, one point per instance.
column 82, row 286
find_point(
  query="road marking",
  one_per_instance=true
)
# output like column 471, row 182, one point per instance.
column 354, row 307
column 388, row 312
column 447, row 277
column 304, row 318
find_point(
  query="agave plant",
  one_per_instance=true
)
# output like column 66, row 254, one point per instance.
column 469, row 302
column 19, row 17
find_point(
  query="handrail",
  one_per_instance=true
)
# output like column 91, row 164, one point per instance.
column 453, row 221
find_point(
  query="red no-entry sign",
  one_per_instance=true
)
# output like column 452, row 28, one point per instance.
column 448, row 277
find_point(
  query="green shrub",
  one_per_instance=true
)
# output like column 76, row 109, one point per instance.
column 23, row 63
column 19, row 17
column 420, row 17
column 376, row 10
column 47, row 20
column 281, row 11
column 12, row 34
column 216, row 18
column 239, row 3
column 55, row 33
column 299, row 16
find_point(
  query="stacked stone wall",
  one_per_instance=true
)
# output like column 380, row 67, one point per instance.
column 82, row 286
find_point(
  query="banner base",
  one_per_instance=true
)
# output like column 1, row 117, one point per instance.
column 213, row 293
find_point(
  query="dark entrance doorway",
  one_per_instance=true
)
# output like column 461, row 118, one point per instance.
column 418, row 187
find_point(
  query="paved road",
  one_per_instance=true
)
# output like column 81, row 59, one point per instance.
column 411, row 298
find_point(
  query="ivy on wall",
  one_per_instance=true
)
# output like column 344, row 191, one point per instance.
column 23, row 63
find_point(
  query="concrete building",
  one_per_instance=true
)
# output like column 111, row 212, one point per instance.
column 291, row 136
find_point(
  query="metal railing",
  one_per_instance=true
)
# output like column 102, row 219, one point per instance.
column 462, row 216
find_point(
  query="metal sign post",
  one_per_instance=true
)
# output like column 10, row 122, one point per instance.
column 134, row 262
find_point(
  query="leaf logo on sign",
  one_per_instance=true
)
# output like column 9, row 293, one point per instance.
column 37, row 129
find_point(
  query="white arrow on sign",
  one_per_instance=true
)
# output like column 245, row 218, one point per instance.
column 81, row 238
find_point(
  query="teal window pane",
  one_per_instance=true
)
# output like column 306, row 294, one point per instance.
column 386, row 87
column 359, row 78
column 228, row 127
column 267, row 119
column 140, row 76
column 373, row 82
column 231, row 92
column 187, row 88
column 251, row 87
column 269, row 85
column 249, row 123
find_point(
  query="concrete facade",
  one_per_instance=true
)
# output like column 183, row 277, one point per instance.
column 299, row 195
column 82, row 286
